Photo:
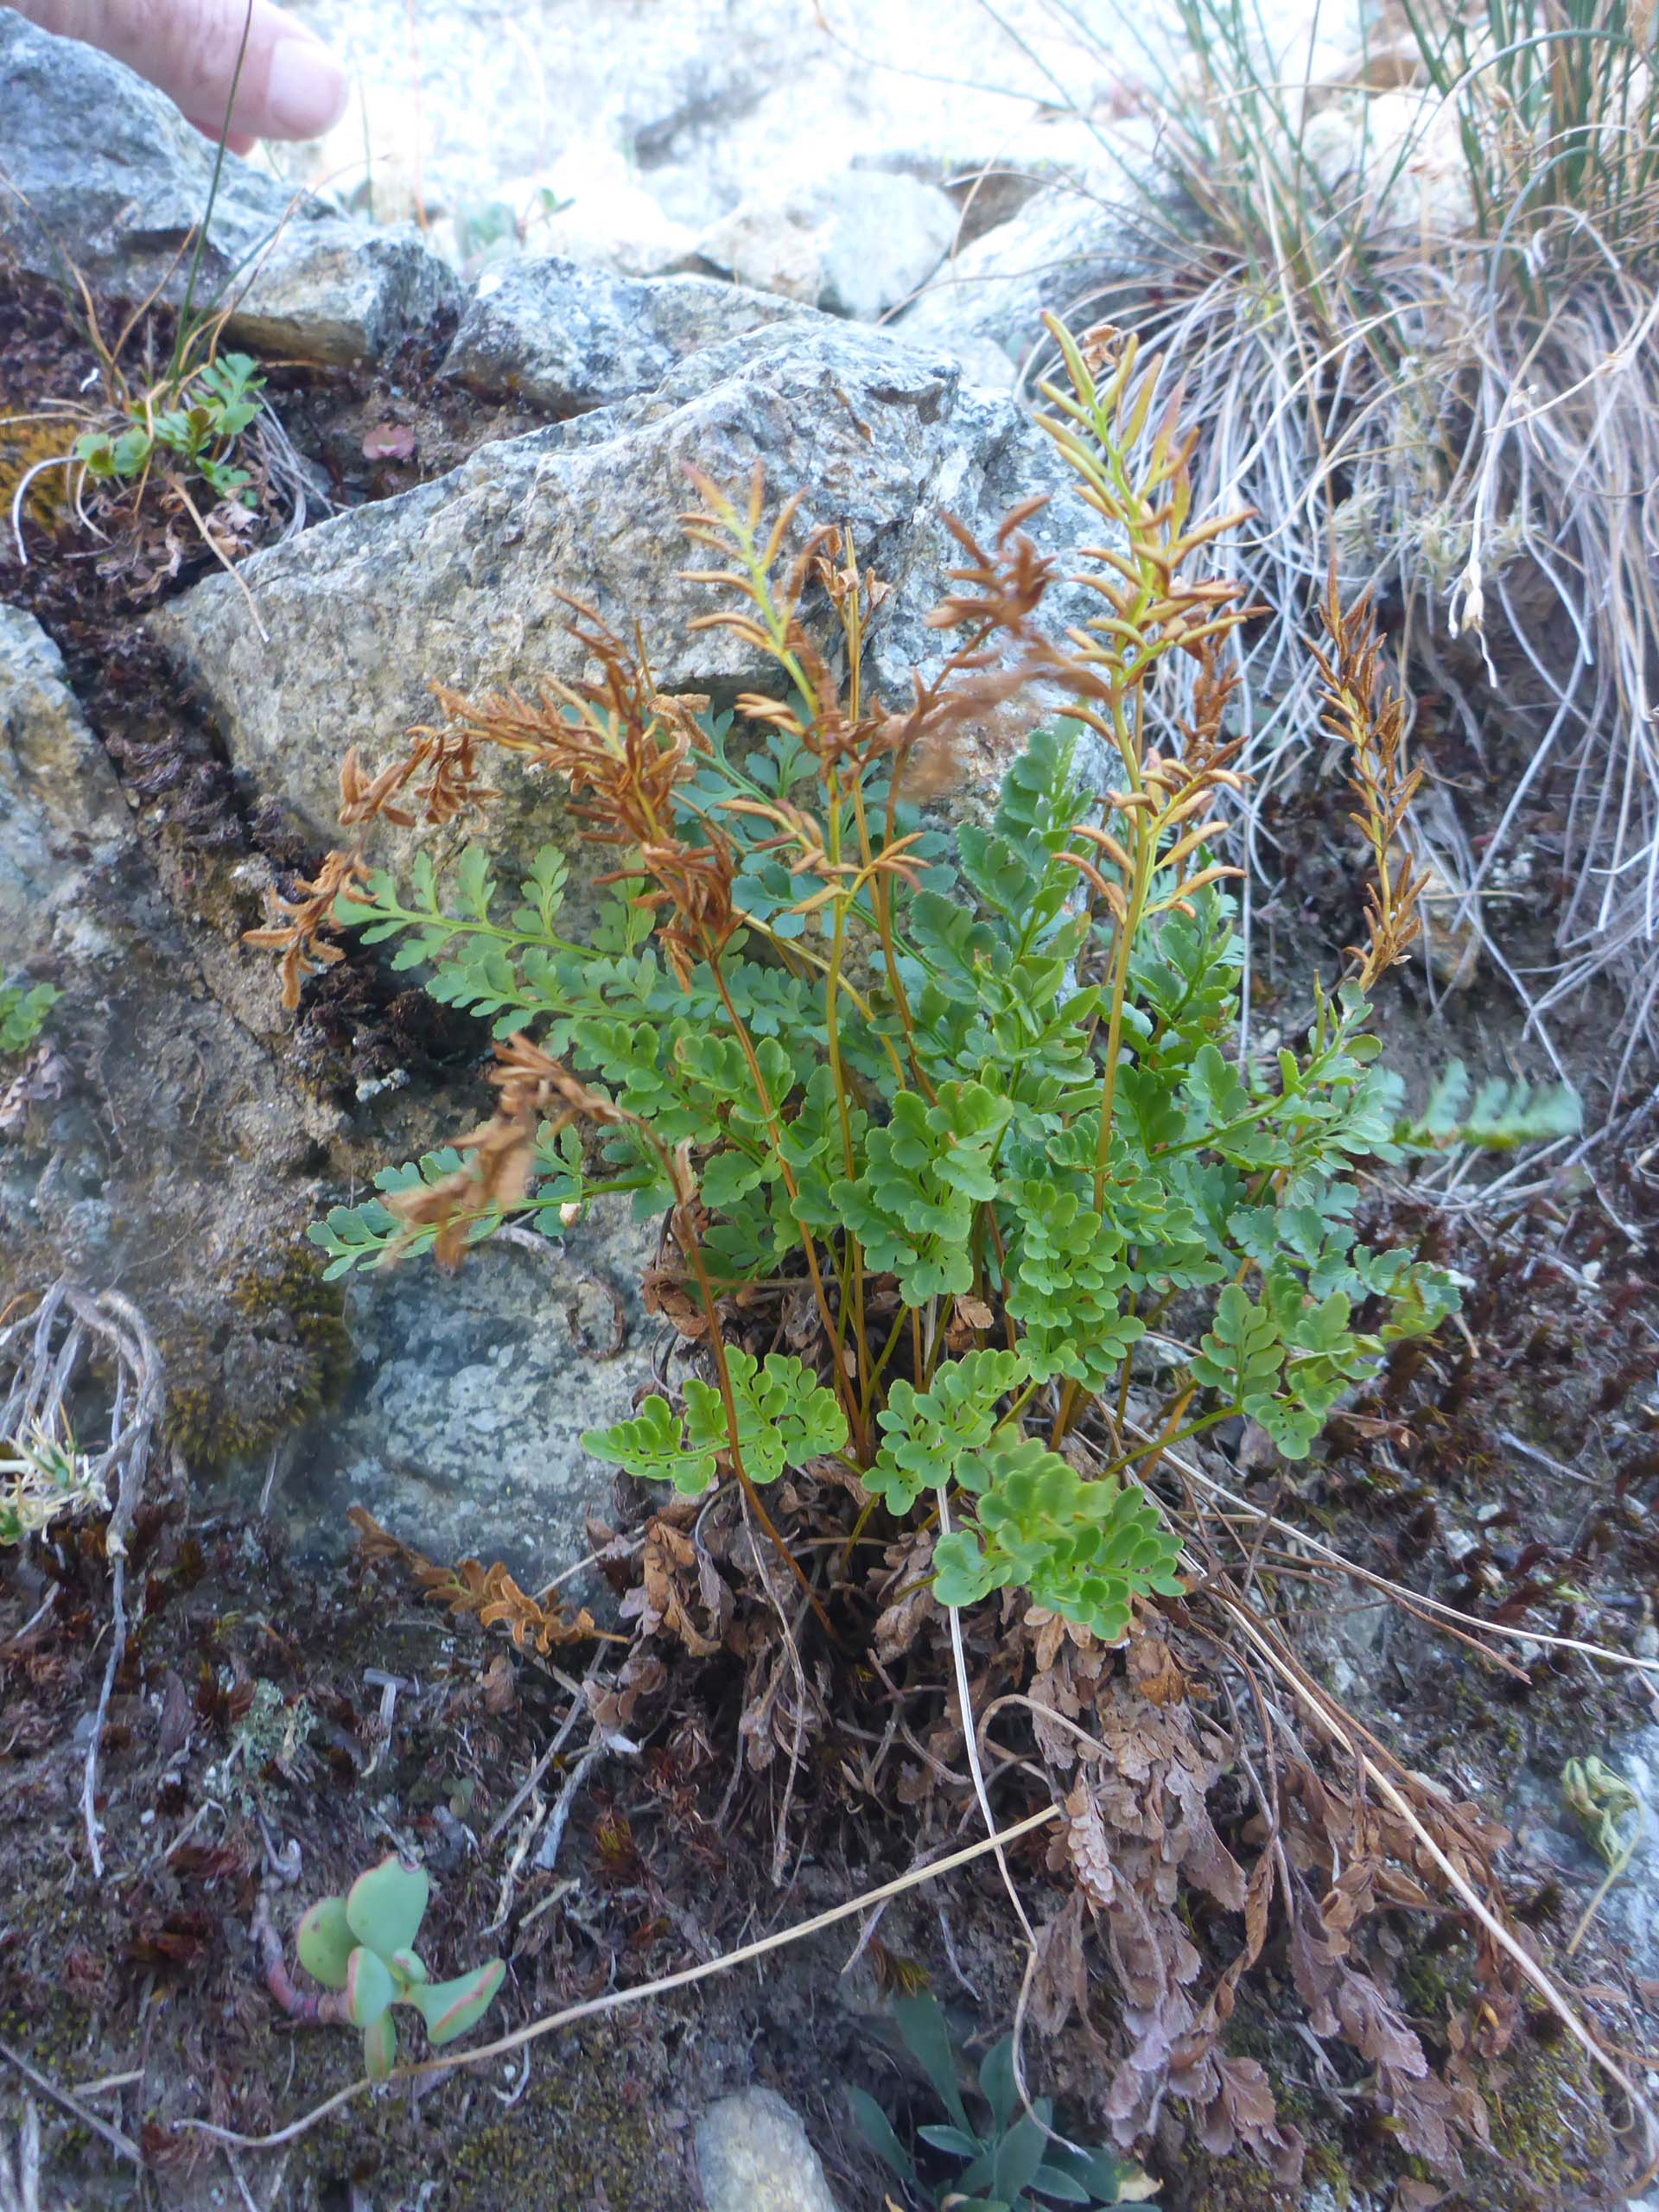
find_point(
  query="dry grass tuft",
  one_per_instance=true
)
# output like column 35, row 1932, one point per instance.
column 1414, row 313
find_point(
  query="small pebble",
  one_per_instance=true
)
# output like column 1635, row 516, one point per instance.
column 753, row 2156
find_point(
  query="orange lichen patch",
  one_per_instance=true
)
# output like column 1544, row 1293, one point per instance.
column 27, row 441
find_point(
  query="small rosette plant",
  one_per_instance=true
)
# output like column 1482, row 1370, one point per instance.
column 364, row 1944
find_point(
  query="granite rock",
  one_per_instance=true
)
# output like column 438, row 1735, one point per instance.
column 569, row 336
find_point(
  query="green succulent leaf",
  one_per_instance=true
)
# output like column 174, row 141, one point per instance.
column 380, row 2047
column 386, row 1906
column 450, row 2008
column 878, row 2131
column 325, row 1941
column 369, row 1986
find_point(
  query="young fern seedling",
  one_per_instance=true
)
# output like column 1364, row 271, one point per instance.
column 362, row 1946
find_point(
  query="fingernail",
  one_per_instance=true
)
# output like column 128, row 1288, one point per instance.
column 308, row 90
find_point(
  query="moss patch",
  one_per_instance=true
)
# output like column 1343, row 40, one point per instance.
column 270, row 1353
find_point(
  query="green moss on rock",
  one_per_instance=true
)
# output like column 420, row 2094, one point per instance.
column 271, row 1350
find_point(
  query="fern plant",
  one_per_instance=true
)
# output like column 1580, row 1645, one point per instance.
column 967, row 1104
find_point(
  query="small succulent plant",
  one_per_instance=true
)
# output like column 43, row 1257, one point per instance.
column 364, row 1944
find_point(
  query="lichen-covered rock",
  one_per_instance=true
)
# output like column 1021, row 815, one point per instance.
column 104, row 175
column 146, row 1143
column 753, row 2156
column 464, row 580
column 570, row 336
column 149, row 1144
column 331, row 290
column 460, row 1424
column 855, row 244
column 61, row 811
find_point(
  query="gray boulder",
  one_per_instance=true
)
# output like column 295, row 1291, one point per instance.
column 146, row 1141
column 151, row 1142
column 461, row 1426
column 570, row 336
column 462, row 581
column 331, row 290
column 100, row 172
column 856, row 243
column 61, row 813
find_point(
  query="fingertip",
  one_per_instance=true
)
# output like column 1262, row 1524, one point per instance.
column 307, row 90
column 239, row 142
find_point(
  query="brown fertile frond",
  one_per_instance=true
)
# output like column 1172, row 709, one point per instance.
column 442, row 765
column 1365, row 713
column 620, row 743
column 837, row 569
column 301, row 928
column 532, row 1088
column 694, row 883
column 1004, row 588
column 1137, row 477
column 832, row 725
column 501, row 1152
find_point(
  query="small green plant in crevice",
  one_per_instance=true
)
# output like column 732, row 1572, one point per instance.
column 202, row 430
column 23, row 1010
column 362, row 1948
column 1614, row 1820
column 962, row 1112
column 169, row 414
column 45, row 1478
column 1011, row 2160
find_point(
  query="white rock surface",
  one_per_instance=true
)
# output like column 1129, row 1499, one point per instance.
column 856, row 243
column 1401, row 152
column 987, row 302
column 753, row 2156
column 657, row 117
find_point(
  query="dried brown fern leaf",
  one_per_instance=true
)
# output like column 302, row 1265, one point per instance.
column 486, row 1593
column 1364, row 712
column 303, row 928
